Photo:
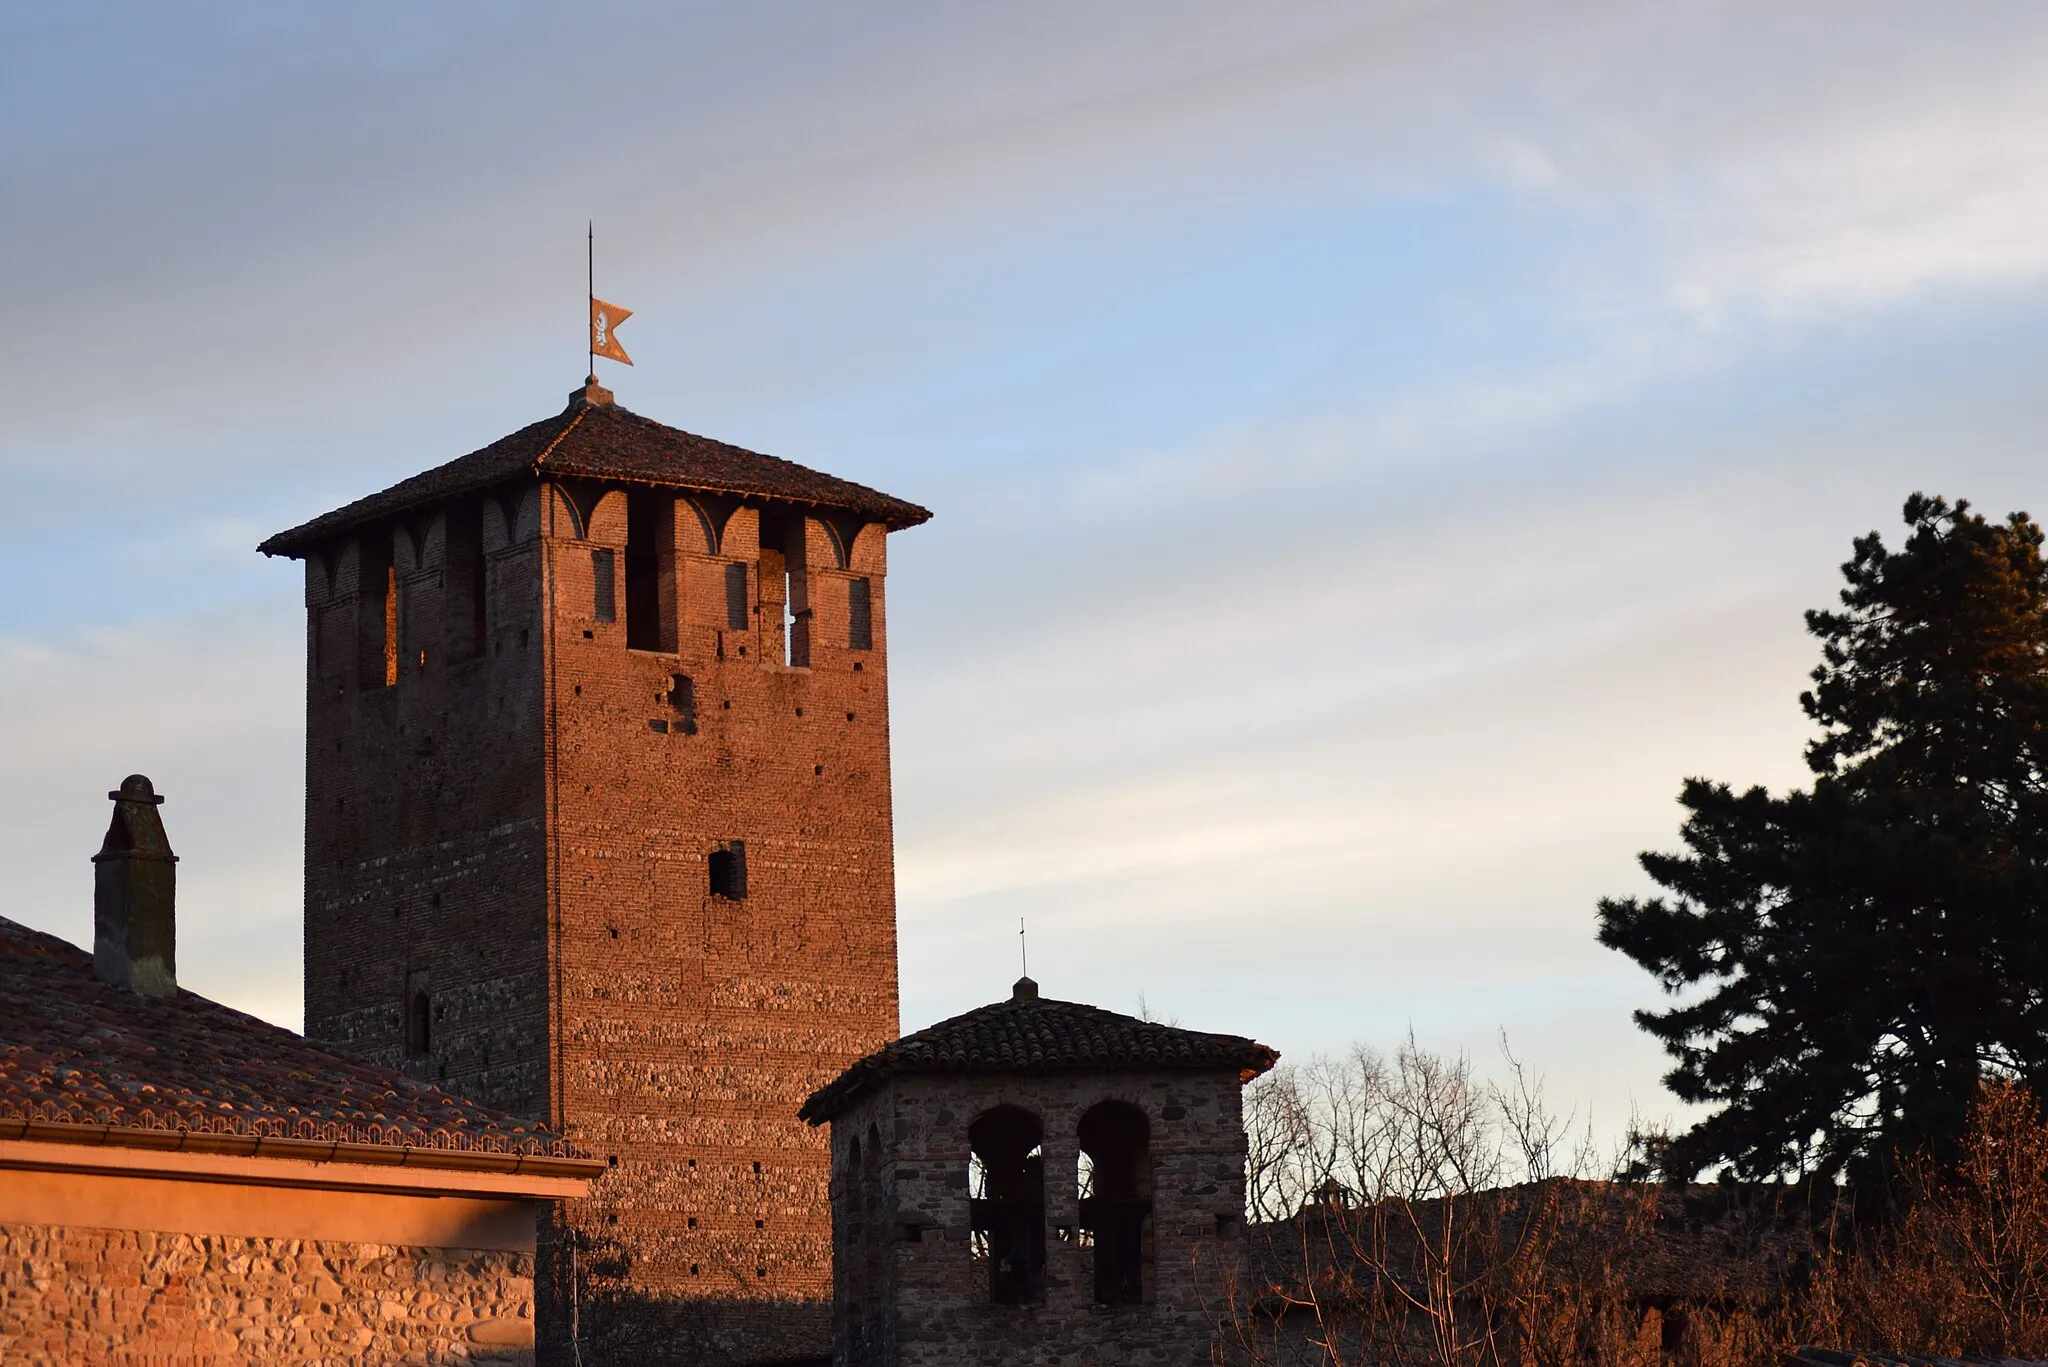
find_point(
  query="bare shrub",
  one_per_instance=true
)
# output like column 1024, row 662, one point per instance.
column 1961, row 1267
column 1406, row 1212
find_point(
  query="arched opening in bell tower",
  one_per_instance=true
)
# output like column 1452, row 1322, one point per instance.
column 1116, row 1198
column 1006, row 1203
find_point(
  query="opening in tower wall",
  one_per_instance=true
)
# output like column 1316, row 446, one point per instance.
column 1116, row 1198
column 860, row 615
column 377, row 611
column 466, row 593
column 650, row 556
column 419, row 1024
column 1006, row 1203
column 735, row 597
column 728, row 868
column 682, row 696
column 604, row 587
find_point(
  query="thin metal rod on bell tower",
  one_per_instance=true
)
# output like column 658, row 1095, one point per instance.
column 1023, row 959
column 590, row 301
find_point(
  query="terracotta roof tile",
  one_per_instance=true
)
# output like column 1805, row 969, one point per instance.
column 604, row 441
column 75, row 1051
column 1032, row 1034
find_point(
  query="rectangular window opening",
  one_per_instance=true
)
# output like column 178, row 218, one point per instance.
column 736, row 597
column 419, row 1025
column 419, row 1016
column 795, row 646
column 728, row 867
column 650, row 557
column 465, row 593
column 790, row 563
column 604, row 601
column 377, row 611
column 860, row 615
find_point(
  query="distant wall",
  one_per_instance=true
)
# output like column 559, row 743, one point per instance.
column 76, row 1294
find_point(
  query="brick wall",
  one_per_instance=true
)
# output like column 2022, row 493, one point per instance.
column 524, row 835
column 911, row 1290
column 128, row 1299
column 425, row 813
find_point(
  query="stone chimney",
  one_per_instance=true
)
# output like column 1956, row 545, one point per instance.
column 134, row 895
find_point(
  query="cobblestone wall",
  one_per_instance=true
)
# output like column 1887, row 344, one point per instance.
column 70, row 1295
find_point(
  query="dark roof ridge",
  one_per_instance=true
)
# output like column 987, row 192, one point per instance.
column 601, row 440
column 1028, row 1033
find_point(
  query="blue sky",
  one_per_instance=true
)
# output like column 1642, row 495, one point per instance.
column 1378, row 450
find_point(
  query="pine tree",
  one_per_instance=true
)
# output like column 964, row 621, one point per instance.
column 1852, row 959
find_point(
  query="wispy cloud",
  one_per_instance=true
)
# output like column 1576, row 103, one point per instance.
column 1379, row 449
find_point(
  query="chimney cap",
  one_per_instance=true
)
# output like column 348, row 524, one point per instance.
column 1025, row 991
column 137, row 788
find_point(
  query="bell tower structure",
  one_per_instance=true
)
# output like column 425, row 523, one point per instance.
column 598, row 830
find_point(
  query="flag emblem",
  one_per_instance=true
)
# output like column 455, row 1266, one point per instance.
column 604, row 328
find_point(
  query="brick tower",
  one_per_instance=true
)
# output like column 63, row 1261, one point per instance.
column 598, row 830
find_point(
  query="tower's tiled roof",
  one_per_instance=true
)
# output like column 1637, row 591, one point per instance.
column 77, row 1052
column 1033, row 1034
column 600, row 440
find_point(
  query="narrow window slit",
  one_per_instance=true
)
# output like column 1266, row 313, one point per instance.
column 419, row 1024
column 604, row 587
column 736, row 597
column 377, row 611
column 860, row 616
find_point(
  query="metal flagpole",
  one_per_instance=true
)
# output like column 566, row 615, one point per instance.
column 590, row 280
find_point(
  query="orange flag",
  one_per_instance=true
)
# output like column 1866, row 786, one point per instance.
column 604, row 324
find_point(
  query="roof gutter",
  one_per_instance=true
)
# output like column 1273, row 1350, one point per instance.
column 270, row 1160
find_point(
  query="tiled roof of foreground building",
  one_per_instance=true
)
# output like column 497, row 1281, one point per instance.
column 1029, row 1033
column 599, row 440
column 76, row 1052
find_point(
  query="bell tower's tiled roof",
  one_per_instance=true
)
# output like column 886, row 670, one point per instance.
column 1034, row 1034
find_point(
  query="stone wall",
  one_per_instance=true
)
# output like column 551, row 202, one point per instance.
column 128, row 1299
column 912, row 1291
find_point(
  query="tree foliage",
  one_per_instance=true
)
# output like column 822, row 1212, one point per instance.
column 1852, row 959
